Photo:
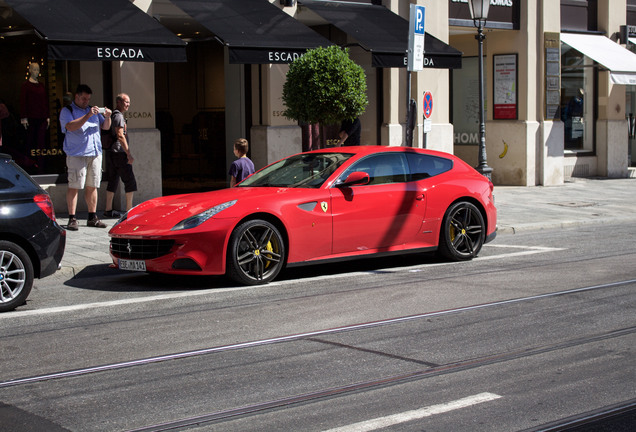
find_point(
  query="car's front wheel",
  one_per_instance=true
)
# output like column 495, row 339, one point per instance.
column 463, row 232
column 256, row 253
column 16, row 276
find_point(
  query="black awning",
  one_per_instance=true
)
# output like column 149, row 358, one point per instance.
column 255, row 31
column 437, row 55
column 383, row 33
column 100, row 30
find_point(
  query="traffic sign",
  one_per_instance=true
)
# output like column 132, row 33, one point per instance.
column 415, row 53
column 428, row 104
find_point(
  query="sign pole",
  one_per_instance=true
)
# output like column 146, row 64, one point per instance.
column 415, row 63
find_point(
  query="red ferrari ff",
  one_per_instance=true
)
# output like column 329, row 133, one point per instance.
column 330, row 204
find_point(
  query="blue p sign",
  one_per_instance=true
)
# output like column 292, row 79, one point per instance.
column 415, row 53
column 419, row 20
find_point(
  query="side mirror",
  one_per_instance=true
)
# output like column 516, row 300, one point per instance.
column 354, row 179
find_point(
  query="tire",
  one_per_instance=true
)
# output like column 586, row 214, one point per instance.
column 16, row 276
column 463, row 232
column 256, row 253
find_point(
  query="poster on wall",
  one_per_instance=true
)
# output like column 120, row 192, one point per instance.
column 505, row 87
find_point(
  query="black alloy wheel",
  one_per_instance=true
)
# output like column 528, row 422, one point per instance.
column 463, row 232
column 256, row 253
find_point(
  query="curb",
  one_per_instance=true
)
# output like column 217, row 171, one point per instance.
column 540, row 226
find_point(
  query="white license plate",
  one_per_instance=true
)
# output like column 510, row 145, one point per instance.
column 132, row 265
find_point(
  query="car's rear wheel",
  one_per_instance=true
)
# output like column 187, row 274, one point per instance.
column 16, row 276
column 256, row 253
column 463, row 232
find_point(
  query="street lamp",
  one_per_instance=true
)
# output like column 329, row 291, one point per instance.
column 479, row 14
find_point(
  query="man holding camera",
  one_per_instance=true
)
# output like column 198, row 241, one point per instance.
column 82, row 125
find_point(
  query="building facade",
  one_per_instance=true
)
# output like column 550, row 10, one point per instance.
column 556, row 107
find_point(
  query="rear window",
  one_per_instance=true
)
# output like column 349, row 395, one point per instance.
column 14, row 179
column 423, row 166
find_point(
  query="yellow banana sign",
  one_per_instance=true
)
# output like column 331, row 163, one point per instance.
column 505, row 150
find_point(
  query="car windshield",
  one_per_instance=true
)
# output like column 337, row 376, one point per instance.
column 309, row 170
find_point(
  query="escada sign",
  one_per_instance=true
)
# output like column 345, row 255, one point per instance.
column 119, row 53
column 283, row 56
column 138, row 115
column 239, row 55
column 105, row 52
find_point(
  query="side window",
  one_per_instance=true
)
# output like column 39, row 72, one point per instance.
column 382, row 168
column 424, row 166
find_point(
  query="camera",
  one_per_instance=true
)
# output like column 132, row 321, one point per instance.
column 102, row 110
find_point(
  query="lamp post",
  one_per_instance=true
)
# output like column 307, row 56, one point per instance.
column 479, row 14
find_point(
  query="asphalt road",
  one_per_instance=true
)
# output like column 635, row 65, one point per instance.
column 539, row 328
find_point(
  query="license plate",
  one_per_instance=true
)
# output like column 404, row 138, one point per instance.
column 132, row 265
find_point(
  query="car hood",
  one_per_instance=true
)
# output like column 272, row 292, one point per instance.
column 165, row 212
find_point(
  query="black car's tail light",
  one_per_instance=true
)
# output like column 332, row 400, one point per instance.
column 46, row 205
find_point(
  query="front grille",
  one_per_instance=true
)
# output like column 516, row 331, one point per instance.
column 140, row 249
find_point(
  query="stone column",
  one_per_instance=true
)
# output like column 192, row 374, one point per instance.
column 550, row 158
column 611, row 126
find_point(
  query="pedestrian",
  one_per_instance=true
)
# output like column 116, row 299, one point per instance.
column 243, row 167
column 119, row 159
column 350, row 133
column 81, row 124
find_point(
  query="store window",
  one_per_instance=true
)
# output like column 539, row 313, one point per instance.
column 33, row 88
column 577, row 99
column 630, row 90
column 630, row 114
column 465, row 109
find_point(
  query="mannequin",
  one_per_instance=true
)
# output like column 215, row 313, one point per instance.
column 34, row 110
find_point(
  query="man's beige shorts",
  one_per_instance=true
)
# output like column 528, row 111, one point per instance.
column 84, row 171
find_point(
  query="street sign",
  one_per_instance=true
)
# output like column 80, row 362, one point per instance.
column 415, row 54
column 427, row 105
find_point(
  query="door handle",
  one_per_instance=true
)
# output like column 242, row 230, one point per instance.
column 420, row 197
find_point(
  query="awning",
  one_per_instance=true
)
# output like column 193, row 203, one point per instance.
column 255, row 31
column 100, row 30
column 620, row 62
column 383, row 33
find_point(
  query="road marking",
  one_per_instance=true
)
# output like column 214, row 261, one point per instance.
column 128, row 301
column 527, row 250
column 383, row 422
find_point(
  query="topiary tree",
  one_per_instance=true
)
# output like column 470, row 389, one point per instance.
column 325, row 86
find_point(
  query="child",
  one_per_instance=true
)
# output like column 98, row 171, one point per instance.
column 243, row 166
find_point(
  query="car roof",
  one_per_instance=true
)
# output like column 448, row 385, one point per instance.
column 366, row 150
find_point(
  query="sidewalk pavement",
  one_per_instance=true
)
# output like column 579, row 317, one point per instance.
column 519, row 209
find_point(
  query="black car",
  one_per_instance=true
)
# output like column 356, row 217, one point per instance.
column 31, row 241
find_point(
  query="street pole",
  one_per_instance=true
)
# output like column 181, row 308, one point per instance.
column 482, row 166
column 411, row 113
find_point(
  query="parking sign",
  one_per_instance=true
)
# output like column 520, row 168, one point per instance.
column 415, row 55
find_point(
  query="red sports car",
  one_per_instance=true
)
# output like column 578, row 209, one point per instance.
column 324, row 205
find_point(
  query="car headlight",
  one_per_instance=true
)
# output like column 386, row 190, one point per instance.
column 196, row 220
column 121, row 219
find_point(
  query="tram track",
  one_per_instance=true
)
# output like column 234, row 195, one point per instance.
column 382, row 382
column 615, row 417
column 299, row 336
column 422, row 371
